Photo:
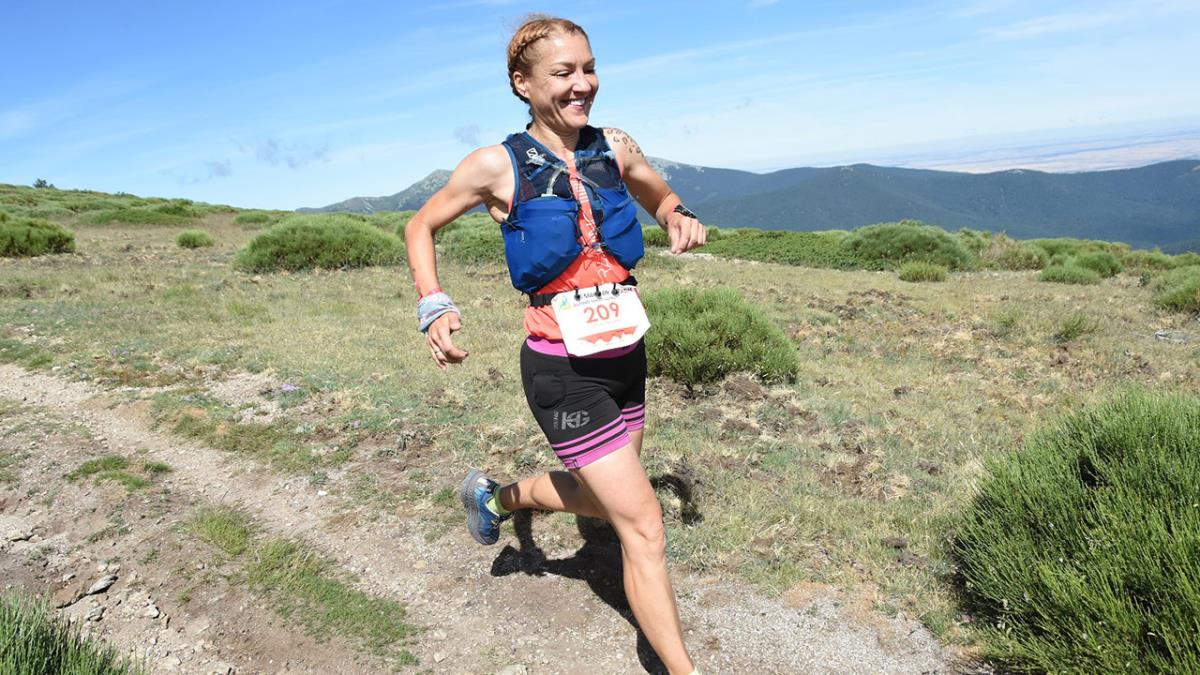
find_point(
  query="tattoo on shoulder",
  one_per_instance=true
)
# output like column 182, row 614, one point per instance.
column 618, row 136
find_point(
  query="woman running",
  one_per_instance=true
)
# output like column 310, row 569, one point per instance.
column 561, row 193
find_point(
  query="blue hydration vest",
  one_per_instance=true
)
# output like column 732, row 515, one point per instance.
column 541, row 233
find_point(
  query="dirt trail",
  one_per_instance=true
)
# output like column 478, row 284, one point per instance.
column 510, row 608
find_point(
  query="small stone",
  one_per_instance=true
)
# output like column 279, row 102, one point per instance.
column 322, row 493
column 150, row 612
column 102, row 567
column 102, row 585
column 67, row 577
column 438, row 635
column 95, row 614
column 18, row 535
column 514, row 669
column 438, row 657
column 420, row 565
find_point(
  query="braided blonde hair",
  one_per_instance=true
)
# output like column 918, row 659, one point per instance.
column 534, row 28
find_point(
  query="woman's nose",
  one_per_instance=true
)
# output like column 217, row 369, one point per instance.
column 580, row 83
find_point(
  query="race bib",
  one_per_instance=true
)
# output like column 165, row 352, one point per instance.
column 600, row 318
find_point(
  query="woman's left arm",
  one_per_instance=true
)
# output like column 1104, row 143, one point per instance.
column 652, row 192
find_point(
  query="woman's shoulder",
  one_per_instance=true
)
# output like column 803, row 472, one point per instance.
column 488, row 161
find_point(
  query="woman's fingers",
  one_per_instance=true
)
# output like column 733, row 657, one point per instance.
column 440, row 344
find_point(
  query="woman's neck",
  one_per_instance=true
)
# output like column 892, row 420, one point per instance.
column 561, row 143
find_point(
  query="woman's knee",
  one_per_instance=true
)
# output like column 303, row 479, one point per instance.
column 644, row 535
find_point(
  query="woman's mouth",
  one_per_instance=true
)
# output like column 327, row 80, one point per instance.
column 577, row 103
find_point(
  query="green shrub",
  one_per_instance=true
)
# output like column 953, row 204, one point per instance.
column 700, row 336
column 252, row 218
column 1101, row 262
column 325, row 241
column 888, row 245
column 1078, row 552
column 392, row 221
column 23, row 237
column 466, row 222
column 178, row 207
column 1187, row 259
column 1179, row 290
column 1004, row 252
column 1072, row 247
column 134, row 216
column 974, row 240
column 1069, row 274
column 194, row 239
column 1074, row 326
column 1148, row 260
column 922, row 271
column 808, row 249
column 474, row 245
column 34, row 640
column 654, row 236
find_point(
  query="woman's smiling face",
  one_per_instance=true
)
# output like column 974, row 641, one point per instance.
column 563, row 83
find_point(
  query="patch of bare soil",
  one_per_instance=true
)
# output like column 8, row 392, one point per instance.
column 530, row 605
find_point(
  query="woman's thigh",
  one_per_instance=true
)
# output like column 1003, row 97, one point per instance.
column 617, row 483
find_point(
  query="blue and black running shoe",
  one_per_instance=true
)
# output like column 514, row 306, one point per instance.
column 476, row 489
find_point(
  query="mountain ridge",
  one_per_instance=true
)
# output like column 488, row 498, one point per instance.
column 1153, row 205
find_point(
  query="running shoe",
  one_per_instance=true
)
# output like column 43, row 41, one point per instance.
column 476, row 489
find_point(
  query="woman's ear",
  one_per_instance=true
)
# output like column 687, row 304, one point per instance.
column 519, row 84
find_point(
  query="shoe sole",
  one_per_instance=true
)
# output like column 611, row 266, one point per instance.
column 466, row 492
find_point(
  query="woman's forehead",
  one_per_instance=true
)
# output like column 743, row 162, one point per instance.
column 568, row 48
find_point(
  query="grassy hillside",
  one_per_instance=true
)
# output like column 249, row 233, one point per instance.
column 848, row 477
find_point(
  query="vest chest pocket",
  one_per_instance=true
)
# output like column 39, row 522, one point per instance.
column 540, row 241
column 620, row 228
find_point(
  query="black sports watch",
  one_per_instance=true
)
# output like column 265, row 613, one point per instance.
column 680, row 208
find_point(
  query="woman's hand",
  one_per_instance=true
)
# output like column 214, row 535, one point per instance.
column 684, row 233
column 441, row 347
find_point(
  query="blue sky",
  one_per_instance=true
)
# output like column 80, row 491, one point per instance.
column 309, row 102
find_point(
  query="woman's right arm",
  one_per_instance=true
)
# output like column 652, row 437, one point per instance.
column 475, row 181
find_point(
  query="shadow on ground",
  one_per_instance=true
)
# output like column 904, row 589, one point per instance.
column 597, row 562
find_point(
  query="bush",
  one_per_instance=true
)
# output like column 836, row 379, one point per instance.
column 1069, row 274
column 921, row 271
column 178, row 207
column 1179, row 290
column 1004, row 252
column 1078, row 551
column 654, row 236
column 324, row 241
column 1148, row 260
column 700, row 336
column 34, row 640
column 23, row 237
column 887, row 245
column 135, row 216
column 809, row 249
column 1187, row 259
column 252, row 218
column 1072, row 247
column 1101, row 262
column 1074, row 326
column 474, row 245
column 194, row 239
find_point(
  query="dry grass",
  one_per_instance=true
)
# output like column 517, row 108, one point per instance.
column 903, row 389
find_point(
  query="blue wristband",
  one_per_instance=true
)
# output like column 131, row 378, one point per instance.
column 433, row 306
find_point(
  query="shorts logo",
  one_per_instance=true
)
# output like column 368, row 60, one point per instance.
column 573, row 420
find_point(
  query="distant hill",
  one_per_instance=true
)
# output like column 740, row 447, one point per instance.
column 410, row 198
column 1155, row 205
